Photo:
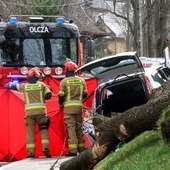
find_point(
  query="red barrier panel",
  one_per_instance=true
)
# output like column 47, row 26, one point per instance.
column 12, row 127
column 4, row 124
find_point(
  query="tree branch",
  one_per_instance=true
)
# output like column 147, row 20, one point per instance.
column 124, row 126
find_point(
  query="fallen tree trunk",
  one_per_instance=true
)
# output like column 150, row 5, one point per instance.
column 126, row 125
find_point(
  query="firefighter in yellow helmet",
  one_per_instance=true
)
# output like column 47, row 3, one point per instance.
column 35, row 94
column 72, row 91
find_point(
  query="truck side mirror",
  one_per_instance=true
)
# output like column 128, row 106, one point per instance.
column 2, row 39
column 90, row 50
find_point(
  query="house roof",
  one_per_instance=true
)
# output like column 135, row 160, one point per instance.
column 88, row 27
column 115, row 24
column 91, row 28
column 85, row 24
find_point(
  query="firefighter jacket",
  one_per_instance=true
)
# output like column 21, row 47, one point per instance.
column 73, row 89
column 34, row 96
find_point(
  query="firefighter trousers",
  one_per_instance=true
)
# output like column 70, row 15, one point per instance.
column 30, row 122
column 73, row 124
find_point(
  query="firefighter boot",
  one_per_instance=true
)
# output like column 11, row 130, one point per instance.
column 47, row 153
column 71, row 154
column 30, row 155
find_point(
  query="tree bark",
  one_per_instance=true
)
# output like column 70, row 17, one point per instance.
column 125, row 125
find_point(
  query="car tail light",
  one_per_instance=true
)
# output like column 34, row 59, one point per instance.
column 58, row 70
column 47, row 70
column 148, row 83
column 24, row 70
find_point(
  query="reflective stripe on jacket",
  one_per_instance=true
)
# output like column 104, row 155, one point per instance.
column 34, row 95
column 73, row 103
column 34, row 106
column 73, row 89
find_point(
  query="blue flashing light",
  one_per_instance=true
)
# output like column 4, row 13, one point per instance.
column 15, row 81
column 60, row 20
column 13, row 20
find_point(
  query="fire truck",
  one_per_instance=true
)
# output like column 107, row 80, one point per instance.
column 41, row 44
column 36, row 43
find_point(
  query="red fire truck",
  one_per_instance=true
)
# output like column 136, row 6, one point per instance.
column 46, row 46
column 40, row 44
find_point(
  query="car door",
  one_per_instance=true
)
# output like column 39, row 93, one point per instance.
column 113, row 69
column 166, row 69
column 110, row 67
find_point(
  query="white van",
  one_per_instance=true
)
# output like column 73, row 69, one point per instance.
column 149, row 62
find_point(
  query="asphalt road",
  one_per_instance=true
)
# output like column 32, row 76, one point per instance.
column 41, row 163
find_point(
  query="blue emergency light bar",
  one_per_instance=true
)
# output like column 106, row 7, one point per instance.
column 13, row 20
column 60, row 20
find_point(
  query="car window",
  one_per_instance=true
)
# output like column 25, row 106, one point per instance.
column 166, row 71
column 117, row 64
column 157, row 78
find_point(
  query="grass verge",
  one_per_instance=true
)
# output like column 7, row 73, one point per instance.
column 145, row 152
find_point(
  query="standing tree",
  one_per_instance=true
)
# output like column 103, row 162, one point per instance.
column 42, row 7
column 154, row 26
column 161, row 29
column 31, row 7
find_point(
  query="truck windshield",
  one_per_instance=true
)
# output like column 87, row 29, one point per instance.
column 38, row 51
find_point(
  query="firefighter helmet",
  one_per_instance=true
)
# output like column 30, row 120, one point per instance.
column 33, row 71
column 70, row 66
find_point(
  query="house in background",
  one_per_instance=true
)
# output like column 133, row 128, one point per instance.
column 116, row 41
column 81, row 14
column 93, row 18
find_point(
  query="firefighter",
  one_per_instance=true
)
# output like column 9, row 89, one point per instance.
column 72, row 91
column 35, row 94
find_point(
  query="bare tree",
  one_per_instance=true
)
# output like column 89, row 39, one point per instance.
column 161, row 26
column 154, row 24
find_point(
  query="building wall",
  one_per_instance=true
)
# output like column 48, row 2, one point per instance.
column 117, row 45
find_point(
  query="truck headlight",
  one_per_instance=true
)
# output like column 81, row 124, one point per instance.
column 47, row 70
column 58, row 70
column 24, row 70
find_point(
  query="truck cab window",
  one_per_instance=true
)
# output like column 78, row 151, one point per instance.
column 33, row 51
column 59, row 53
column 63, row 50
column 10, row 50
column 73, row 47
